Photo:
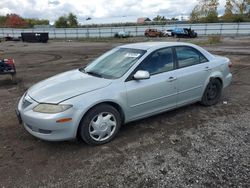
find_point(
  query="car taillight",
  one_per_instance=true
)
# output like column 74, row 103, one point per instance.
column 9, row 61
column 230, row 65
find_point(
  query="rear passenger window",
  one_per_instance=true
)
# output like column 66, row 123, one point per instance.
column 188, row 56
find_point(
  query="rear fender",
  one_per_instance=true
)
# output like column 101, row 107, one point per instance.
column 213, row 75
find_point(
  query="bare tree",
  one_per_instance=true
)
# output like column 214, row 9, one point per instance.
column 206, row 11
column 240, row 6
column 195, row 14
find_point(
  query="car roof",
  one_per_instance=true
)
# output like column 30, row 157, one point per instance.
column 151, row 46
column 154, row 45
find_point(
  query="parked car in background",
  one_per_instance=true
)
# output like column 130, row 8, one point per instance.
column 122, row 34
column 10, row 38
column 183, row 32
column 167, row 33
column 127, row 83
column 153, row 33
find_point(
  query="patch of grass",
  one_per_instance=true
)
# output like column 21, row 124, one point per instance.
column 210, row 40
column 109, row 39
column 203, row 40
column 214, row 39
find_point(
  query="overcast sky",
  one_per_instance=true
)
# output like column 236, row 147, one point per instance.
column 52, row 9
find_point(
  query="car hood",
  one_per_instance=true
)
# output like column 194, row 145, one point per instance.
column 64, row 86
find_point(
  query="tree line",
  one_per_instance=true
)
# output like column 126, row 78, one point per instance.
column 204, row 11
column 207, row 11
column 16, row 21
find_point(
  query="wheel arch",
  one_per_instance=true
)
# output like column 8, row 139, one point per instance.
column 111, row 103
column 204, row 99
column 216, row 75
column 218, row 78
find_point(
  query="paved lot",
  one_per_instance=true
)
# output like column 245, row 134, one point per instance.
column 192, row 146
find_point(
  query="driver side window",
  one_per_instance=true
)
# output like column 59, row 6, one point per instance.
column 158, row 62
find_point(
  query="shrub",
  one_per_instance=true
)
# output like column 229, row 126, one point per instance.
column 214, row 39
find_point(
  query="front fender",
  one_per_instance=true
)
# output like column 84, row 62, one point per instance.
column 84, row 103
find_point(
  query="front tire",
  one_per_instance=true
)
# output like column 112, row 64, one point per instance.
column 100, row 125
column 212, row 93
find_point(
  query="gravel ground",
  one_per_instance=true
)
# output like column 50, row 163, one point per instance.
column 193, row 146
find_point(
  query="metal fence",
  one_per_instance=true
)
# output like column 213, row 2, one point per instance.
column 101, row 32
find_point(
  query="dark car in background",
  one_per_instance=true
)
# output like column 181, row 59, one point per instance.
column 183, row 32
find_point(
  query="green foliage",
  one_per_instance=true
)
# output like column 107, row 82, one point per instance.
column 214, row 39
column 174, row 19
column 67, row 21
column 159, row 18
column 72, row 20
column 238, row 18
column 2, row 21
column 212, row 16
column 61, row 22
column 31, row 22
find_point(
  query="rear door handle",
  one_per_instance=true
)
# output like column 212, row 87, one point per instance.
column 171, row 79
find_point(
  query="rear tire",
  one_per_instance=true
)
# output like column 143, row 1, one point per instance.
column 212, row 93
column 100, row 125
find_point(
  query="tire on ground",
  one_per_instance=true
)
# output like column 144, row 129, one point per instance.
column 84, row 129
column 212, row 97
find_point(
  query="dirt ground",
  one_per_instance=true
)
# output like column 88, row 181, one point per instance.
column 193, row 146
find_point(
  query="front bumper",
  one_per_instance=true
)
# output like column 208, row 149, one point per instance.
column 44, row 126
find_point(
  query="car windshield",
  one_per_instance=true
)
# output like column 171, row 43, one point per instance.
column 114, row 63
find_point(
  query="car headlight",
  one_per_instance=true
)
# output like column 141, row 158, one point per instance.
column 51, row 108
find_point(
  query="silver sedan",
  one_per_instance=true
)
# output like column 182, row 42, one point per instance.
column 127, row 83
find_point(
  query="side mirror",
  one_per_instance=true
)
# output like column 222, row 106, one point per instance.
column 141, row 75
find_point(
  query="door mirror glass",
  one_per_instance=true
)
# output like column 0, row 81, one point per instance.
column 140, row 75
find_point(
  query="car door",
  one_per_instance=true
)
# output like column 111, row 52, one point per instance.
column 158, row 93
column 193, row 71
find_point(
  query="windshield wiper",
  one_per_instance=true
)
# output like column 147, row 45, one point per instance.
column 94, row 74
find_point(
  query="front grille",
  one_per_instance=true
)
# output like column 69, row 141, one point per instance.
column 26, row 103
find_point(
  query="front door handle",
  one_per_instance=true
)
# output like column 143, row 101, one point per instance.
column 171, row 79
column 207, row 68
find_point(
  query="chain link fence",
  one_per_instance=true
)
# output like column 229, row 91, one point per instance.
column 102, row 32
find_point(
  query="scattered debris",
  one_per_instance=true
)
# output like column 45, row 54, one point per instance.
column 224, row 102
